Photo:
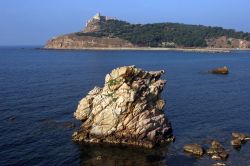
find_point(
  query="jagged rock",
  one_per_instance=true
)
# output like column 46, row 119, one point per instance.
column 217, row 152
column 127, row 110
column 221, row 70
column 194, row 149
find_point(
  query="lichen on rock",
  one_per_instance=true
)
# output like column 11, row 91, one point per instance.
column 127, row 110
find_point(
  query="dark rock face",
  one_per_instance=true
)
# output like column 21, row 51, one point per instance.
column 221, row 70
column 194, row 149
column 127, row 110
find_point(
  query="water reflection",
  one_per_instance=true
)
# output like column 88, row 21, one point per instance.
column 94, row 155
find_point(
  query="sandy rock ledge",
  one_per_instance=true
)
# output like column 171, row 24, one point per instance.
column 127, row 110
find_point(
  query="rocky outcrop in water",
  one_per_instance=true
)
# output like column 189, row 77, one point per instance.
column 221, row 70
column 194, row 149
column 127, row 110
column 238, row 139
column 217, row 152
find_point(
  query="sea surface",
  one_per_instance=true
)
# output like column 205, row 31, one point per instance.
column 40, row 90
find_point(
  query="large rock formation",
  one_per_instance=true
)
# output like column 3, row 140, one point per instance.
column 127, row 110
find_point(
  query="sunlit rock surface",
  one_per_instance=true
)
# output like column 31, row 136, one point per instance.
column 127, row 110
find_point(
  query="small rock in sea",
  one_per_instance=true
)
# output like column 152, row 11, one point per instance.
column 217, row 152
column 194, row 149
column 236, row 143
column 221, row 70
column 224, row 155
column 238, row 139
column 12, row 118
column 127, row 110
column 216, row 144
column 216, row 157
column 240, row 136
column 219, row 164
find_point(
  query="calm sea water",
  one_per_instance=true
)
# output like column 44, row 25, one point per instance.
column 40, row 89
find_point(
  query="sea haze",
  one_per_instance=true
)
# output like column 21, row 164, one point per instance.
column 40, row 90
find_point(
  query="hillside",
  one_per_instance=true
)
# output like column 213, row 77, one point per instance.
column 166, row 35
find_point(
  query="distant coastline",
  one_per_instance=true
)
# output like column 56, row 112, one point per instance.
column 109, row 33
column 211, row 50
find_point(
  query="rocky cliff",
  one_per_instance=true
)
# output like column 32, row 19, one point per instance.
column 227, row 42
column 127, row 110
column 72, row 41
column 84, row 41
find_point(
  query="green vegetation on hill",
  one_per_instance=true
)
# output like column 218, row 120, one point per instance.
column 164, row 34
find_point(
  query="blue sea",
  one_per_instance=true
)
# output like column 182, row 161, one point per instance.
column 40, row 90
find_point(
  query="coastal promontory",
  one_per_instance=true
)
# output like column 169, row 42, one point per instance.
column 103, row 32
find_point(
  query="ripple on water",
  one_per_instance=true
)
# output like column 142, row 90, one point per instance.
column 42, row 88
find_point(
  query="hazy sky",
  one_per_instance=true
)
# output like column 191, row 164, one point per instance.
column 32, row 22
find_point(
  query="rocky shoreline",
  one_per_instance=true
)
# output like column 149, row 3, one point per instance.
column 199, row 50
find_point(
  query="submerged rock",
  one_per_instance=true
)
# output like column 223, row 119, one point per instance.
column 221, row 70
column 12, row 118
column 127, row 110
column 194, row 149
